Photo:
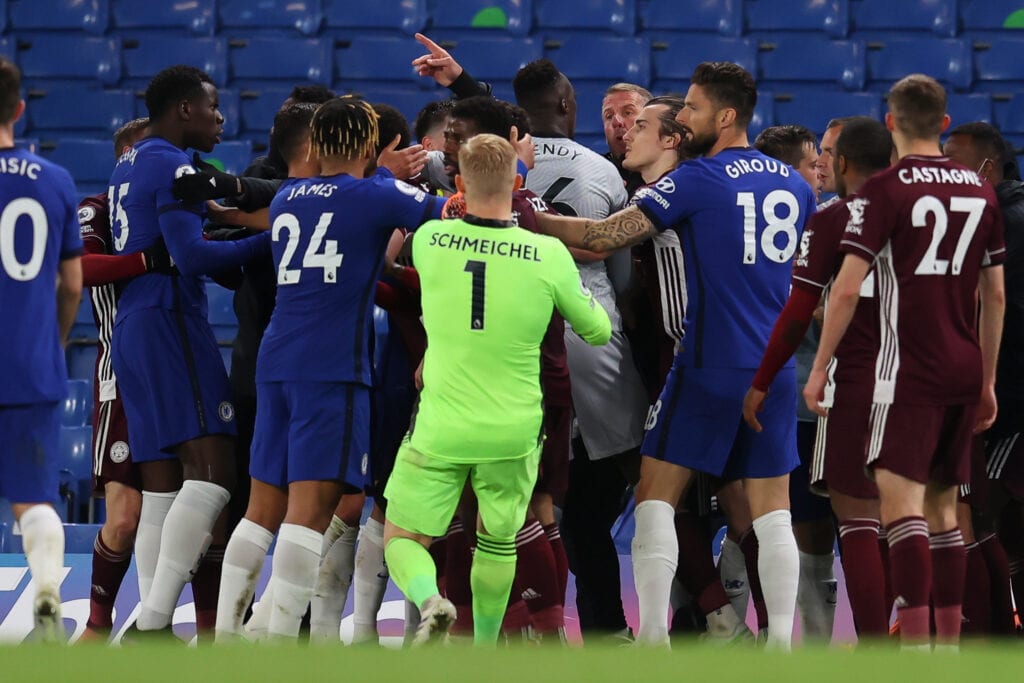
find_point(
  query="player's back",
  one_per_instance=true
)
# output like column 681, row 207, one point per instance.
column 139, row 191
column 329, row 236
column 931, row 225
column 38, row 228
column 488, row 295
column 739, row 215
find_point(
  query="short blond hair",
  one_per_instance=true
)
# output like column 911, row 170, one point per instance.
column 487, row 164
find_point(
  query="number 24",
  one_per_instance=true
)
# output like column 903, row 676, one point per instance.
column 329, row 260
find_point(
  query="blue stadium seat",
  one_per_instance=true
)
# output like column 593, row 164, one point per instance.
column 79, row 539
column 48, row 15
column 147, row 54
column 77, row 408
column 996, row 58
column 673, row 60
column 814, row 108
column 1010, row 117
column 70, row 57
column 3, row 29
column 991, row 15
column 195, row 16
column 495, row 58
column 74, row 462
column 831, row 17
column 407, row 100
column 7, row 46
column 231, row 110
column 277, row 58
column 304, row 16
column 814, row 58
column 408, row 16
column 221, row 312
column 379, row 59
column 84, row 110
column 937, row 16
column 234, row 155
column 948, row 61
column 31, row 144
column 764, row 113
column 511, row 16
column 87, row 159
column 724, row 17
column 589, row 97
column 602, row 58
column 593, row 141
column 258, row 106
column 84, row 326
column 616, row 16
column 963, row 108
column 81, row 358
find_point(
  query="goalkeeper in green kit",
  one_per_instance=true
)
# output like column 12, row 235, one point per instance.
column 488, row 292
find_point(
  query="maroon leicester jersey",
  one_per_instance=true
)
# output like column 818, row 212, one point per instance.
column 929, row 225
column 94, row 223
column 815, row 265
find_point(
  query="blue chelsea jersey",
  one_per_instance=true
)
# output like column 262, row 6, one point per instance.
column 329, row 236
column 38, row 229
column 739, row 216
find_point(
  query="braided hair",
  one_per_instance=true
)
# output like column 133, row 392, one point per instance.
column 344, row 127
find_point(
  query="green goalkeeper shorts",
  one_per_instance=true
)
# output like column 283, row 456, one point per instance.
column 423, row 492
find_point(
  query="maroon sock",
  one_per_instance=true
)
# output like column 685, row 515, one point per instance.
column 517, row 621
column 883, row 551
column 458, row 561
column 865, row 576
column 748, row 544
column 537, row 572
column 696, row 570
column 910, row 563
column 108, row 570
column 561, row 559
column 205, row 589
column 949, row 569
column 977, row 605
column 1001, row 609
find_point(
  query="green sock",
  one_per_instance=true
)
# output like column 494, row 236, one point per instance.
column 412, row 569
column 494, row 568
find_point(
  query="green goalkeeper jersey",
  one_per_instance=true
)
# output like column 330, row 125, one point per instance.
column 488, row 294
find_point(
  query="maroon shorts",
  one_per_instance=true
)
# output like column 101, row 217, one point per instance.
column 922, row 443
column 839, row 451
column 111, row 455
column 1005, row 463
column 976, row 491
column 554, row 459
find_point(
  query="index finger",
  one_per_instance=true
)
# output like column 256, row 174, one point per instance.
column 430, row 45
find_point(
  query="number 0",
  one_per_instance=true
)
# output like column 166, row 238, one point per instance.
column 479, row 270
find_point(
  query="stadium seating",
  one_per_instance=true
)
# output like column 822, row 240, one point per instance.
column 724, row 17
column 195, row 16
column 512, row 16
column 588, row 108
column 673, row 60
column 221, row 312
column 831, row 17
column 996, row 61
column 813, row 108
column 303, row 16
column 408, row 100
column 964, row 108
column 229, row 109
column 947, row 60
column 379, row 59
column 936, row 16
column 81, row 358
column 77, row 408
column 72, row 58
column 146, row 55
column 991, row 15
column 601, row 58
column 1010, row 117
column 234, row 155
column 91, row 16
column 292, row 60
column 832, row 63
column 74, row 462
column 78, row 111
column 90, row 161
column 496, row 58
column 615, row 16
column 257, row 107
column 407, row 17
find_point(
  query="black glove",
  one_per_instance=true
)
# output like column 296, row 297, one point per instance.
column 206, row 183
column 158, row 259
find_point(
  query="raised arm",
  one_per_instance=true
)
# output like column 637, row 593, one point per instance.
column 622, row 229
column 193, row 255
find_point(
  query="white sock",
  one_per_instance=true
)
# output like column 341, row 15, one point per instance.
column 655, row 558
column 778, row 563
column 732, row 567
column 243, row 560
column 369, row 582
column 334, row 531
column 332, row 584
column 816, row 596
column 147, row 537
column 185, row 538
column 42, row 535
column 296, row 559
column 256, row 627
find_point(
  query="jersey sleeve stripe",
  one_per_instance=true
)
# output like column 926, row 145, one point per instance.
column 861, row 247
column 817, row 286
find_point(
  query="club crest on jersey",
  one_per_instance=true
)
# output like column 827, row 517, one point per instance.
column 805, row 248
column 226, row 411
column 666, row 185
column 855, row 225
column 184, row 169
column 119, row 452
column 414, row 192
column 86, row 214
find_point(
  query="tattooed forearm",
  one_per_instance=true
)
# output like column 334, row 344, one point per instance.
column 618, row 230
